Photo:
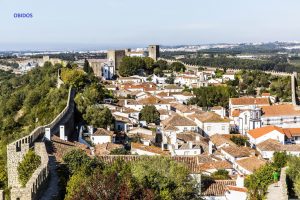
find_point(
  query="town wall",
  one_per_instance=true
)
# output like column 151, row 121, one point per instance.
column 17, row 149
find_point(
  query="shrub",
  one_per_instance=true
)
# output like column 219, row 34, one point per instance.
column 221, row 174
column 26, row 168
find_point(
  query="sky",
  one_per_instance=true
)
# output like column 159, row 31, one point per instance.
column 103, row 24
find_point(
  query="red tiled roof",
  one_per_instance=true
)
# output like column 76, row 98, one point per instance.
column 218, row 188
column 258, row 132
column 251, row 163
column 280, row 110
column 238, row 189
column 249, row 101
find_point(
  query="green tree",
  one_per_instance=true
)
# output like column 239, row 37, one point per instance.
column 162, row 64
column 170, row 79
column 120, row 151
column 149, row 63
column 178, row 67
column 27, row 166
column 239, row 140
column 221, row 174
column 150, row 114
column 74, row 77
column 86, row 67
column 158, row 72
column 258, row 182
column 98, row 117
column 280, row 159
column 69, row 66
column 130, row 65
column 170, row 180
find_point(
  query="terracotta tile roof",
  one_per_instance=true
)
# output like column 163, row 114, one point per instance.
column 237, row 189
column 217, row 188
column 291, row 147
column 186, row 146
column 223, row 164
column 172, row 86
column 216, row 108
column 163, row 112
column 151, row 100
column 163, row 94
column 152, row 149
column 102, row 131
column 128, row 110
column 251, row 163
column 273, row 145
column 219, row 140
column 237, row 152
column 235, row 113
column 258, row 132
column 170, row 128
column 209, row 117
column 189, row 136
column 106, row 148
column 143, row 86
column 269, row 145
column 177, row 120
column 280, row 110
column 182, row 108
column 121, row 118
column 249, row 101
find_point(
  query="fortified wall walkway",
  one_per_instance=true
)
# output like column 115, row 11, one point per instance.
column 280, row 192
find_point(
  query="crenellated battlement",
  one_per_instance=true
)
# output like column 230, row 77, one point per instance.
column 17, row 149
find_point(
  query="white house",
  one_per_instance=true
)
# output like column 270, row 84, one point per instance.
column 236, row 192
column 234, row 153
column 248, row 165
column 270, row 146
column 262, row 134
column 285, row 115
column 246, row 103
column 211, row 123
column 101, row 136
column 183, row 97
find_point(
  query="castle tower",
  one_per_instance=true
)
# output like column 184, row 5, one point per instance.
column 116, row 57
column 153, row 51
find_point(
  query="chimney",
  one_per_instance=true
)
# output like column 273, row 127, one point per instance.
column 108, row 127
column 240, row 181
column 210, row 147
column 62, row 132
column 125, row 102
column 176, row 146
column 91, row 130
column 190, row 144
column 197, row 138
column 48, row 133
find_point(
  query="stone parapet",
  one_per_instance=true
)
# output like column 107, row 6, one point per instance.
column 17, row 149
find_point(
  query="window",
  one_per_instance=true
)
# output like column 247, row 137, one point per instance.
column 223, row 128
column 208, row 128
column 186, row 153
column 185, row 129
column 246, row 119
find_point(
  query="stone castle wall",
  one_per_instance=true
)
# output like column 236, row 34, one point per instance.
column 17, row 150
column 195, row 67
column 38, row 179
